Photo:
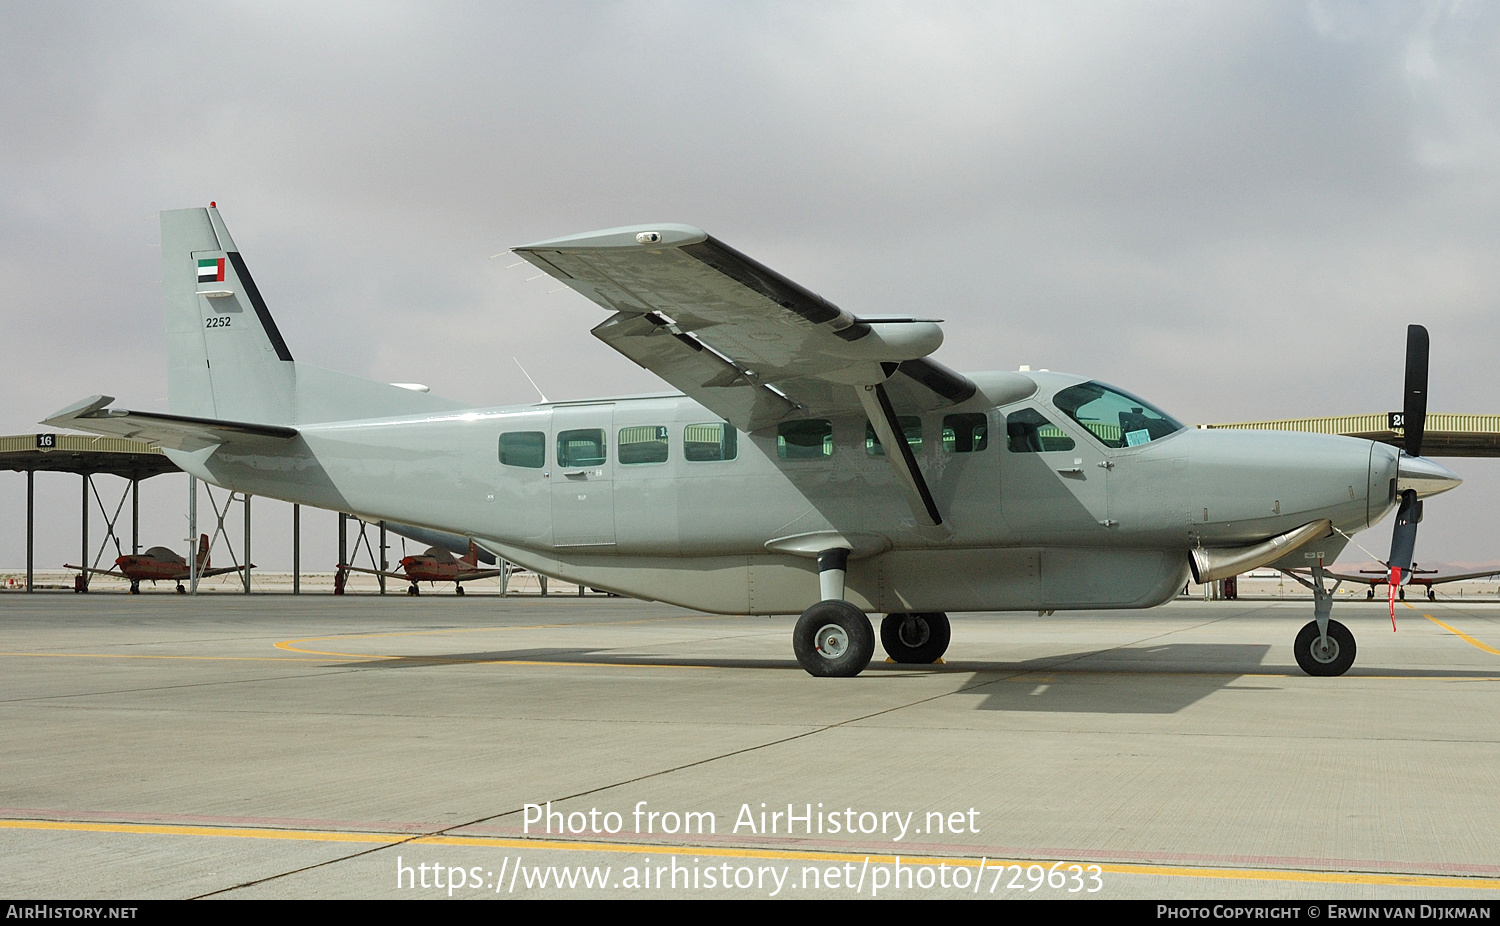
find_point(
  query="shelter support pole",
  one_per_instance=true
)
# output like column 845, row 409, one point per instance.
column 83, row 577
column 30, row 529
column 193, row 533
column 135, row 515
column 296, row 549
column 381, row 577
column 247, row 544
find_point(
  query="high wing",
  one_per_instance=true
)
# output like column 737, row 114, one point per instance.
column 178, row 432
column 738, row 337
column 749, row 344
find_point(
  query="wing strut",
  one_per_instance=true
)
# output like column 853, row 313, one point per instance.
column 888, row 428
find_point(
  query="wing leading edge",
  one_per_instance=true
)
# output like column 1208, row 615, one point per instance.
column 738, row 337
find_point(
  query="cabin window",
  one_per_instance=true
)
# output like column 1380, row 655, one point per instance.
column 968, row 433
column 1026, row 431
column 524, row 448
column 808, row 439
column 1116, row 418
column 709, row 443
column 643, row 444
column 911, row 426
column 583, row 447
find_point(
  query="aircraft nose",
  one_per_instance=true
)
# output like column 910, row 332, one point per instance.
column 1427, row 477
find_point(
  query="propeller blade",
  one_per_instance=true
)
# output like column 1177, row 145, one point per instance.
column 1414, row 407
column 1403, row 545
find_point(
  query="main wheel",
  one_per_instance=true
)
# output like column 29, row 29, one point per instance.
column 1431, row 593
column 1316, row 659
column 916, row 639
column 833, row 639
column 413, row 590
column 180, row 589
column 458, row 588
column 135, row 586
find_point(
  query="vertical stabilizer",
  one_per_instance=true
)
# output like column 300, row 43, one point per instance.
column 225, row 357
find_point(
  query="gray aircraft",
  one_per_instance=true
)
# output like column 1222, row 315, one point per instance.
column 812, row 462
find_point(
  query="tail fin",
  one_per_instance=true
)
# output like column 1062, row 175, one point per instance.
column 472, row 557
column 202, row 552
column 226, row 358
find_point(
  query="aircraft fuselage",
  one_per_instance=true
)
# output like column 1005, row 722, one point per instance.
column 1026, row 527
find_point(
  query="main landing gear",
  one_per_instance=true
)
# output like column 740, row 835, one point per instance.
column 413, row 590
column 834, row 639
column 1324, row 646
column 916, row 639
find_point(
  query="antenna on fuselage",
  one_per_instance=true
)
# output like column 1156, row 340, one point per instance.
column 531, row 381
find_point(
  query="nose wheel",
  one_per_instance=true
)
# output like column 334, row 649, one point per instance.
column 833, row 639
column 915, row 639
column 1329, row 657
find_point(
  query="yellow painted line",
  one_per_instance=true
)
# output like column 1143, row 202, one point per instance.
column 1171, row 871
column 1463, row 636
column 146, row 656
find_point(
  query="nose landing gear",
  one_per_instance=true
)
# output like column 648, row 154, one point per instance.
column 1323, row 647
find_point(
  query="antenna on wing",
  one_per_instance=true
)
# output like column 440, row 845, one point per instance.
column 531, row 381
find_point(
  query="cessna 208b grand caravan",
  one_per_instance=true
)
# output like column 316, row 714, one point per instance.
column 815, row 462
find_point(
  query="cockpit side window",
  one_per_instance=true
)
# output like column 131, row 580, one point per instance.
column 1114, row 418
column 1027, row 431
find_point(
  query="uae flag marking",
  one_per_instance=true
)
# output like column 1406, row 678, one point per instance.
column 211, row 270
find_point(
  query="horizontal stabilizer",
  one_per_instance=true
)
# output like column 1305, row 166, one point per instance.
column 177, row 432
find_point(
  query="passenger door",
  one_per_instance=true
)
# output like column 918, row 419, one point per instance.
column 583, row 506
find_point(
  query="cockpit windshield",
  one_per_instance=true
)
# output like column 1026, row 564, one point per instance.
column 1117, row 419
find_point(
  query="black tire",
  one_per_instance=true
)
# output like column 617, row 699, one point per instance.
column 180, row 589
column 459, row 589
column 135, row 587
column 916, row 639
column 413, row 590
column 833, row 639
column 1431, row 593
column 1315, row 662
column 1402, row 594
column 1370, row 595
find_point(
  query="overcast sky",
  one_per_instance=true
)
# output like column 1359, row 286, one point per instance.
column 1232, row 209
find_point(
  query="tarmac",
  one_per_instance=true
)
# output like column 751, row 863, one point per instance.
column 271, row 746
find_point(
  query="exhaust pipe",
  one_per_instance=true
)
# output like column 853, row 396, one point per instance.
column 1212, row 565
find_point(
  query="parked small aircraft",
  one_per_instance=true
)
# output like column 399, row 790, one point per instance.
column 161, row 564
column 813, row 462
column 1422, row 578
column 435, row 565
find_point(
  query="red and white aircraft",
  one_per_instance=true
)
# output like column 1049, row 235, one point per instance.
column 158, row 564
column 435, row 565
